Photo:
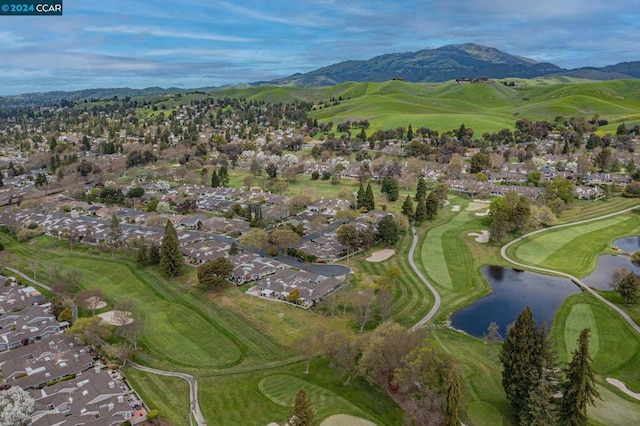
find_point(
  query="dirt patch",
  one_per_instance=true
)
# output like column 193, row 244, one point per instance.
column 617, row 383
column 381, row 255
column 481, row 237
column 346, row 420
column 455, row 208
column 110, row 317
column 477, row 205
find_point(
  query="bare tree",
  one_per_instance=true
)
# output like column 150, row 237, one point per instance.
column 492, row 336
column 122, row 315
column 385, row 303
column 133, row 331
column 346, row 359
column 306, row 345
column 90, row 299
column 363, row 307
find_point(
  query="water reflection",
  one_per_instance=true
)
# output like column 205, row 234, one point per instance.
column 513, row 290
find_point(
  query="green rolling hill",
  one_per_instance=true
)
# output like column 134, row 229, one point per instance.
column 485, row 107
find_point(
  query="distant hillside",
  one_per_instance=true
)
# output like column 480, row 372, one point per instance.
column 484, row 107
column 57, row 97
column 447, row 63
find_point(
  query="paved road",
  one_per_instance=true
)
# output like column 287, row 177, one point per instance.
column 437, row 300
column 193, row 389
column 503, row 253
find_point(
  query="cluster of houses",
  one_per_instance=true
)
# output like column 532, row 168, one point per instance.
column 69, row 386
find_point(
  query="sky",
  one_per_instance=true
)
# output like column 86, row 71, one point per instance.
column 191, row 43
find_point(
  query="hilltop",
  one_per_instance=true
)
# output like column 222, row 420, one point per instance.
column 447, row 63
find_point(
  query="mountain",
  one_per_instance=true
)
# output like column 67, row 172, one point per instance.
column 447, row 63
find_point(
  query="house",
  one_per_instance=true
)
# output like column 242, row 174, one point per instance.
column 312, row 287
column 251, row 267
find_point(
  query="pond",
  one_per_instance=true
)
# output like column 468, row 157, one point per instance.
column 513, row 290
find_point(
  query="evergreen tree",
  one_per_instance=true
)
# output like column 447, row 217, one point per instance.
column 421, row 211
column 453, row 399
column 115, row 234
column 579, row 388
column 410, row 133
column 541, row 407
column 369, row 202
column 142, row 255
column 223, row 175
column 391, row 191
column 407, row 207
column 388, row 231
column 154, row 254
column 215, row 180
column 360, row 197
column 520, row 361
column 421, row 190
column 233, row 249
column 170, row 256
column 302, row 410
column 1, row 179
column 431, row 205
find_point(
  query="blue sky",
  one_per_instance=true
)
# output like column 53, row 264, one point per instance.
column 188, row 43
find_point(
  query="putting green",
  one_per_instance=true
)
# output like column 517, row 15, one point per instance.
column 283, row 388
column 580, row 317
column 345, row 420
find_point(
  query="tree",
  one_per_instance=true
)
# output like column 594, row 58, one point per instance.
column 283, row 238
column 452, row 398
column 306, row 345
column 492, row 336
column 421, row 190
column 627, row 284
column 294, row 296
column 170, row 256
column 223, row 175
column 123, row 315
column 90, row 331
column 407, row 207
column 480, row 162
column 302, row 411
column 154, row 254
column 521, row 361
column 360, row 197
column 431, row 205
column 367, row 237
column 90, row 299
column 363, row 307
column 214, row 274
column 579, row 389
column 142, row 255
column 16, row 406
column 561, row 188
column 272, row 170
column 133, row 330
column 421, row 211
column 215, row 180
column 233, row 249
column 255, row 238
column 388, row 231
column 390, row 188
column 541, row 408
column 369, row 202
column 115, row 234
column 348, row 237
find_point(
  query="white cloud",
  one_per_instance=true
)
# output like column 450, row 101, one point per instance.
column 158, row 32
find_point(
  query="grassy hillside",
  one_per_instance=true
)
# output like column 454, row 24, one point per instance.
column 484, row 107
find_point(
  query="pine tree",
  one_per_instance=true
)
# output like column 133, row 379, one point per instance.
column 421, row 190
column 170, row 256
column 541, row 406
column 215, row 180
column 154, row 254
column 142, row 255
column 520, row 363
column 407, row 207
column 115, row 234
column 453, row 399
column 360, row 196
column 392, row 190
column 421, row 211
column 410, row 133
column 223, row 175
column 302, row 410
column 579, row 390
column 431, row 205
column 369, row 202
column 388, row 231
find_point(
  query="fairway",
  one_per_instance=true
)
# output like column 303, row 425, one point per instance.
column 574, row 249
column 169, row 328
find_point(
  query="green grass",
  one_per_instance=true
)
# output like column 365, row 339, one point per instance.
column 574, row 249
column 169, row 395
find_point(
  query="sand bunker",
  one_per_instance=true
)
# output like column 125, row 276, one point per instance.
column 381, row 255
column 95, row 303
column 345, row 420
column 455, row 208
column 484, row 213
column 110, row 318
column 477, row 205
column 482, row 237
column 617, row 383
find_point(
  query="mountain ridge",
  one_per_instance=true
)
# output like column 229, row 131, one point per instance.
column 445, row 63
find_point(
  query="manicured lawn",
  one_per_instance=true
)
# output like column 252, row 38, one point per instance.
column 574, row 249
column 169, row 395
